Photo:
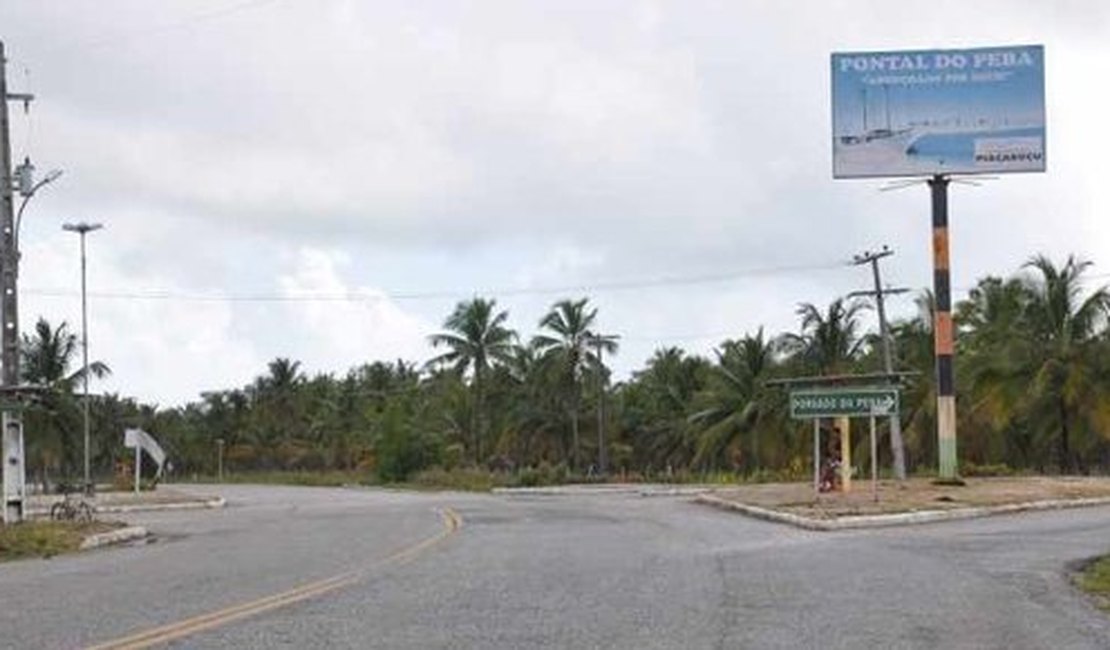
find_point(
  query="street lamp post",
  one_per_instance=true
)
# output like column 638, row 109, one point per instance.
column 82, row 228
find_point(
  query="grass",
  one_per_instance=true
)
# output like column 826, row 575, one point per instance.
column 329, row 478
column 471, row 479
column 45, row 538
column 1095, row 580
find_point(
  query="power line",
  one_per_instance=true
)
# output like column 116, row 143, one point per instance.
column 369, row 296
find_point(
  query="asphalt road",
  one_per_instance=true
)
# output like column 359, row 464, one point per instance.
column 584, row 571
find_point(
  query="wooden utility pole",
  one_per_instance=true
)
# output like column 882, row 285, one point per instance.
column 844, row 426
column 897, row 447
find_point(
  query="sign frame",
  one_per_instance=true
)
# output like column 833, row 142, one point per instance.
column 847, row 410
column 917, row 113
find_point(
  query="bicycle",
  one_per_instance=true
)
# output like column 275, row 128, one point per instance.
column 72, row 507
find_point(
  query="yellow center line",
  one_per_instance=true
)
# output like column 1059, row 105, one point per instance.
column 452, row 522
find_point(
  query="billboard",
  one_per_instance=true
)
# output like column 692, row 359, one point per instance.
column 926, row 112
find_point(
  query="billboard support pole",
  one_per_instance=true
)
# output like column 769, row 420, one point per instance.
column 944, row 346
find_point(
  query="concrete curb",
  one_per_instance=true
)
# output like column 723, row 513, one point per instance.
column 218, row 502
column 117, row 536
column 898, row 519
column 674, row 491
column 562, row 490
column 644, row 490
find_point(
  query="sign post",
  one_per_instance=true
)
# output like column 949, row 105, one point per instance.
column 816, row 456
column 844, row 403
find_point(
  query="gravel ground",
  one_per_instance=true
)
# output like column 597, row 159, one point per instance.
column 915, row 494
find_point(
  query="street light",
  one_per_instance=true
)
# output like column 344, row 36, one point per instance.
column 27, row 188
column 82, row 228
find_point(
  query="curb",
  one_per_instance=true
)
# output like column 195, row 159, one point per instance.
column 586, row 489
column 898, row 519
column 218, row 502
column 117, row 536
column 567, row 490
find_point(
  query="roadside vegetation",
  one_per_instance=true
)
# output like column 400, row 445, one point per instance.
column 45, row 538
column 505, row 406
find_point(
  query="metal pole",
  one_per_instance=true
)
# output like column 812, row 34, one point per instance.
column 83, row 229
column 138, row 464
column 943, row 332
column 85, row 362
column 602, row 461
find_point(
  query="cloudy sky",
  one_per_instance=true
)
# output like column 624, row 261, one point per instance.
column 324, row 179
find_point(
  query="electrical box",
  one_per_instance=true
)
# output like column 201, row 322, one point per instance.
column 14, row 466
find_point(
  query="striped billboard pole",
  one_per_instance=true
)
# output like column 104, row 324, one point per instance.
column 944, row 344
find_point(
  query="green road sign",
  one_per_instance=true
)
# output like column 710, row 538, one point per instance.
column 843, row 402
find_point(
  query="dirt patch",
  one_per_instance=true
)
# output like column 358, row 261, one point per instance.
column 47, row 538
column 914, row 495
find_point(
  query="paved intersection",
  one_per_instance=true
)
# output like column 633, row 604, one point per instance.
column 581, row 571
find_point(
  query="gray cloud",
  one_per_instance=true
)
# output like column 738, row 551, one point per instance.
column 463, row 147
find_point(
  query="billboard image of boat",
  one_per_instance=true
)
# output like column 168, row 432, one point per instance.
column 927, row 112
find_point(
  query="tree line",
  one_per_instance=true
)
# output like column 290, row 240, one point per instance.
column 1033, row 381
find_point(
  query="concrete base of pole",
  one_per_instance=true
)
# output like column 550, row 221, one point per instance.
column 946, row 438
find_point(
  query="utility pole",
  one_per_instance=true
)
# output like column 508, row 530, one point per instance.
column 897, row 447
column 14, row 481
column 600, row 341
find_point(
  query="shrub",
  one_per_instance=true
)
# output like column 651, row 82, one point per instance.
column 403, row 449
column 998, row 469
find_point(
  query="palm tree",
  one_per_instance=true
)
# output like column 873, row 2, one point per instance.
column 1064, row 328
column 476, row 339
column 992, row 374
column 569, row 345
column 656, row 406
column 735, row 403
column 829, row 342
column 46, row 356
column 1032, row 348
column 281, row 414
